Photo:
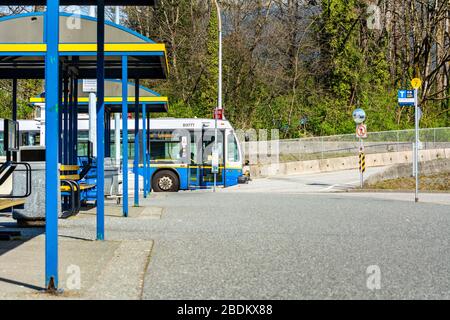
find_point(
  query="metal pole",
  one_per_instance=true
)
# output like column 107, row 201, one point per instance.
column 51, row 150
column 14, row 116
column 361, row 150
column 60, row 115
column 92, row 11
column 71, row 127
column 149, row 159
column 125, row 134
column 416, row 151
column 219, row 16
column 93, row 122
column 100, row 120
column 136, row 143
column 75, row 122
column 66, row 118
column 117, row 15
column 144, row 147
column 117, row 137
column 117, row 115
column 219, row 100
column 215, row 150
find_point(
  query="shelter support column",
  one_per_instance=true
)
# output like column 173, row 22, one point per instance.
column 144, row 148
column 75, row 122
column 65, row 118
column 136, row 144
column 100, row 120
column 149, row 145
column 125, row 134
column 70, row 113
column 14, row 115
column 51, row 150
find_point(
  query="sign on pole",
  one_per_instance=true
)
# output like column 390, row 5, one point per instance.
column 362, row 162
column 359, row 116
column 90, row 85
column 215, row 160
column 218, row 114
column 406, row 98
column 416, row 83
column 361, row 131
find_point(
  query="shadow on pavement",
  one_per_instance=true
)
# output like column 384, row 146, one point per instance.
column 13, row 236
column 21, row 284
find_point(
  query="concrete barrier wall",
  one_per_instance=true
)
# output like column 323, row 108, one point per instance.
column 405, row 170
column 264, row 152
column 345, row 163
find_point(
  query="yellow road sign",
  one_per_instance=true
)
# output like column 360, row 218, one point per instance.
column 416, row 83
column 362, row 162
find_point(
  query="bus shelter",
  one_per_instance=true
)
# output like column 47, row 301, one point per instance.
column 148, row 102
column 52, row 46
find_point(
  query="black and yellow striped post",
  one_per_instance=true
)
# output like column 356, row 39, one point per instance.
column 362, row 166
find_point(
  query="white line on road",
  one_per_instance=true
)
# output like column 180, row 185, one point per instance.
column 349, row 184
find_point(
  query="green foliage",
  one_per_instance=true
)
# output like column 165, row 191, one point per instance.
column 299, row 60
column 26, row 90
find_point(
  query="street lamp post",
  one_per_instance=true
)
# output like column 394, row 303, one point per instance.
column 219, row 99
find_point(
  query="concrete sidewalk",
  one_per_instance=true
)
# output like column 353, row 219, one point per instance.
column 107, row 270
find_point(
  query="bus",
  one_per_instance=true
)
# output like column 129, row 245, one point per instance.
column 179, row 151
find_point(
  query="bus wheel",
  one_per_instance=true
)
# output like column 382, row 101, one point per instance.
column 165, row 181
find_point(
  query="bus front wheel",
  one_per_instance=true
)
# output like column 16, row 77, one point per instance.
column 165, row 181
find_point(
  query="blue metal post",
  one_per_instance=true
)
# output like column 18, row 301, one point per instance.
column 72, row 131
column 136, row 143
column 149, row 180
column 70, row 113
column 75, row 122
column 100, row 120
column 144, row 147
column 66, row 119
column 60, row 116
column 51, row 141
column 125, row 134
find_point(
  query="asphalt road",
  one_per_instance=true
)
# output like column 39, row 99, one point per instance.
column 307, row 183
column 256, row 244
column 277, row 246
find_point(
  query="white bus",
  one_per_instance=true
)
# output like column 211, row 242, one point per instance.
column 179, row 151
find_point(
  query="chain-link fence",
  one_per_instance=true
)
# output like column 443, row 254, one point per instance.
column 342, row 145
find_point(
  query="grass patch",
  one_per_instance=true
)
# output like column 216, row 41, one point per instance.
column 435, row 182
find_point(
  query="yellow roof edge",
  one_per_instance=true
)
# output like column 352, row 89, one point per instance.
column 83, row 47
column 111, row 99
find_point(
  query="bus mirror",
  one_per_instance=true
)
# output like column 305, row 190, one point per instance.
column 247, row 163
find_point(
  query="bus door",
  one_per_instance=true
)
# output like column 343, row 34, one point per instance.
column 196, row 157
column 202, row 145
